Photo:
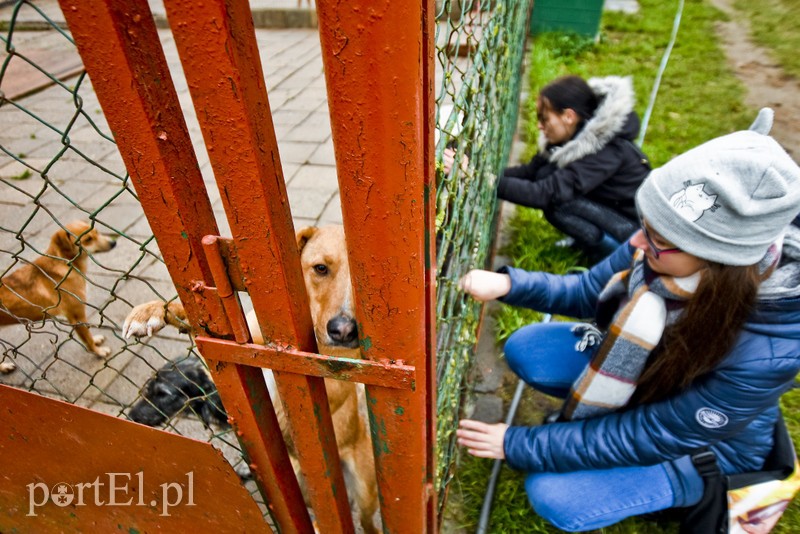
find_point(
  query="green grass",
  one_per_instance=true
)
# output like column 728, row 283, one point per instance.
column 773, row 24
column 699, row 99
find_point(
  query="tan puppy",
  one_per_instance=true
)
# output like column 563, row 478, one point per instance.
column 323, row 257
column 55, row 284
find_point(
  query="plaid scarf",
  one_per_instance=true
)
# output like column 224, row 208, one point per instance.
column 645, row 304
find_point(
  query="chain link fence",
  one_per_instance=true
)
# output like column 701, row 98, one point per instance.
column 59, row 163
column 479, row 48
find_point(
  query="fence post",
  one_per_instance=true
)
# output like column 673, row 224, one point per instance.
column 379, row 69
column 121, row 51
column 217, row 46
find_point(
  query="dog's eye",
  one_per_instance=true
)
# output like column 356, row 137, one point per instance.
column 321, row 269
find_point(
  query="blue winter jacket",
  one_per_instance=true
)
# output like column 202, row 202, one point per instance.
column 732, row 409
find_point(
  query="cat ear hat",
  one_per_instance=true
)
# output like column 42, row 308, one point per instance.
column 726, row 200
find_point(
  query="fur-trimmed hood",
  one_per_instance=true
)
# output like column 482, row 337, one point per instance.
column 611, row 118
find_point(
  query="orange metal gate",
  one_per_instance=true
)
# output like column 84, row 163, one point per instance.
column 379, row 70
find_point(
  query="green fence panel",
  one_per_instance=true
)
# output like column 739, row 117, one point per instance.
column 578, row 16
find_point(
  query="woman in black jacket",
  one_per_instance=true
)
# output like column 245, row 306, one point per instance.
column 588, row 168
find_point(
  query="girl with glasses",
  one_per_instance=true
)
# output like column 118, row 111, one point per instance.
column 695, row 336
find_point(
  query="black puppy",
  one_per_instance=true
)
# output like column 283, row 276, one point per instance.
column 175, row 387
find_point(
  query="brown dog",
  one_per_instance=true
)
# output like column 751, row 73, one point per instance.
column 323, row 257
column 55, row 284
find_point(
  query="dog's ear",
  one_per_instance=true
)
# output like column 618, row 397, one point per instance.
column 304, row 235
column 64, row 243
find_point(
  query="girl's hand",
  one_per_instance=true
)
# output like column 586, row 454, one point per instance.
column 449, row 159
column 481, row 439
column 485, row 285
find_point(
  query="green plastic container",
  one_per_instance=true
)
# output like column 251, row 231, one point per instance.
column 579, row 16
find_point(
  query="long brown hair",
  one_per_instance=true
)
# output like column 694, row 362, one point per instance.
column 703, row 334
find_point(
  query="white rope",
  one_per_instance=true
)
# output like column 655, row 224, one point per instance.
column 664, row 59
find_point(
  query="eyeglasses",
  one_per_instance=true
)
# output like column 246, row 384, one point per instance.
column 656, row 251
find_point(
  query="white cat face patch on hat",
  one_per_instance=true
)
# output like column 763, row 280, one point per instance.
column 692, row 201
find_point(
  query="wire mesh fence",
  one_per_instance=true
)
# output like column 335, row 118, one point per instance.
column 59, row 164
column 479, row 48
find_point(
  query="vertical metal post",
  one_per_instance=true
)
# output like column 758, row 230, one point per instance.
column 378, row 65
column 429, row 196
column 125, row 62
column 120, row 49
column 217, row 45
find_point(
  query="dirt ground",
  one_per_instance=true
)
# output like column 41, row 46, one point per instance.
column 767, row 84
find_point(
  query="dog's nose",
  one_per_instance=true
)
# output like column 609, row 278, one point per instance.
column 343, row 330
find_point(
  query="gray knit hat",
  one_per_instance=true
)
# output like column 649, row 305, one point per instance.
column 726, row 200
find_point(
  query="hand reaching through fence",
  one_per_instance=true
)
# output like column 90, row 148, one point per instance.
column 485, row 285
column 482, row 439
column 449, row 158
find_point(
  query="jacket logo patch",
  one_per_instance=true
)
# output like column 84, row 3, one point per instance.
column 711, row 418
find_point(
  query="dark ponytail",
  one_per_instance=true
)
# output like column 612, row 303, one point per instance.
column 570, row 92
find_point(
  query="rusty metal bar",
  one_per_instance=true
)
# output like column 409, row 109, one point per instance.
column 258, row 430
column 120, row 48
column 153, row 140
column 223, row 260
column 395, row 376
column 227, row 250
column 217, row 46
column 219, row 271
column 429, row 199
column 377, row 60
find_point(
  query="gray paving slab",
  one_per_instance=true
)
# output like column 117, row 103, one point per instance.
column 490, row 368
column 323, row 155
column 321, row 177
column 308, row 132
column 332, row 214
column 18, row 175
column 488, row 408
column 295, row 152
column 306, row 202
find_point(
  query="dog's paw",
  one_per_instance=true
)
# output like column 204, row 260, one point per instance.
column 99, row 339
column 144, row 320
column 103, row 352
column 7, row 367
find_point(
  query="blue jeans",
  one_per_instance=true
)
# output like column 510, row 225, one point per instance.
column 544, row 356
